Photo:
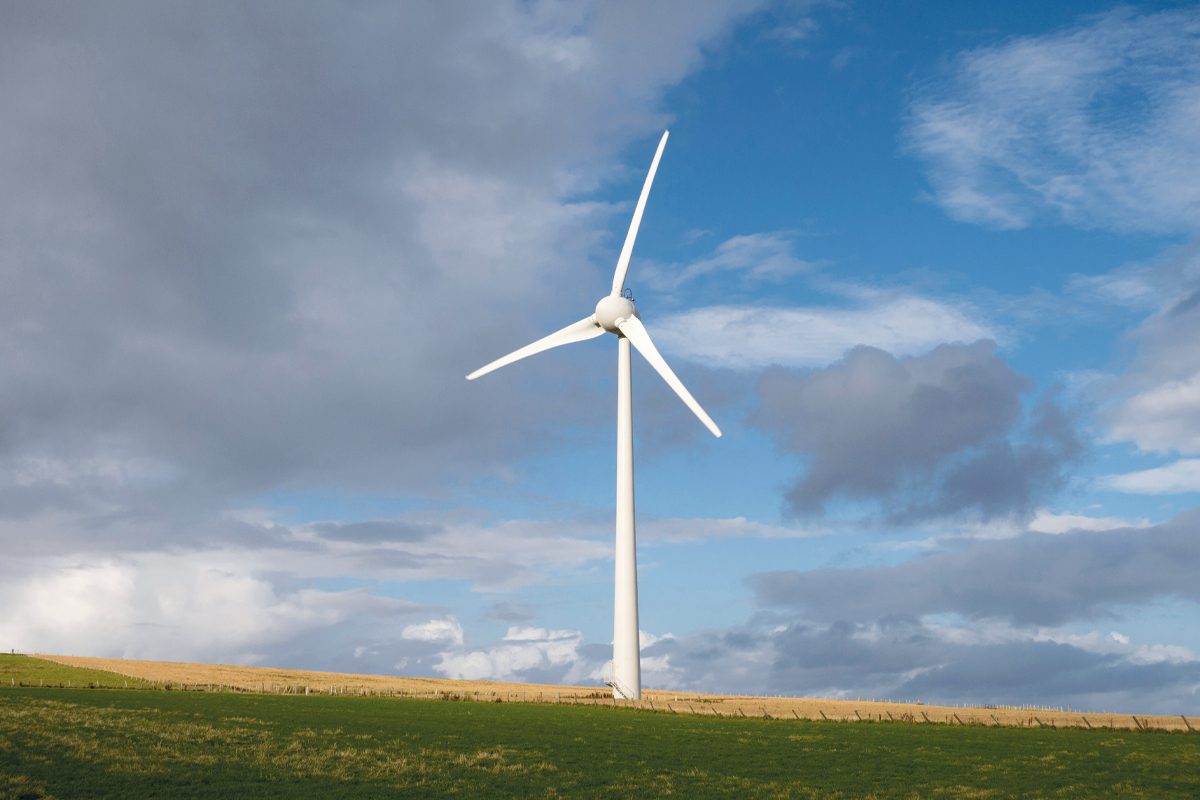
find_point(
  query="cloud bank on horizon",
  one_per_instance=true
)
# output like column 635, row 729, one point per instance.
column 949, row 296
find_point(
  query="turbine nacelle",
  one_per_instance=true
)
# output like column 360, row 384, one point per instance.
column 612, row 310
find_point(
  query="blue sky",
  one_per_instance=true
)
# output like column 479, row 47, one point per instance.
column 931, row 267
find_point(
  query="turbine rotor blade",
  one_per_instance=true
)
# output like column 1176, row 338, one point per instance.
column 586, row 328
column 627, row 251
column 635, row 332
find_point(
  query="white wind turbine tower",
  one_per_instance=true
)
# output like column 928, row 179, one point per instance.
column 616, row 313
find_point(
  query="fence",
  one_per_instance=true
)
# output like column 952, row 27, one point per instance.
column 770, row 708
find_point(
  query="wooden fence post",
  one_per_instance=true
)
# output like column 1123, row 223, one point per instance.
column 1185, row 722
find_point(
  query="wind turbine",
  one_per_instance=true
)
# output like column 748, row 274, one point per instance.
column 616, row 313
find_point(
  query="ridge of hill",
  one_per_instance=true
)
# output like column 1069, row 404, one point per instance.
column 182, row 675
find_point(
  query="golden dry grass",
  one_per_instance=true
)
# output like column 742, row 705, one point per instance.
column 274, row 680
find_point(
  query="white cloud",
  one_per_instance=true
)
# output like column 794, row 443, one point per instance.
column 750, row 337
column 1162, row 417
column 675, row 531
column 1179, row 476
column 1131, row 287
column 1044, row 521
column 1116, row 643
column 1049, row 522
column 1094, row 124
column 1155, row 401
column 534, row 654
column 756, row 257
column 646, row 639
column 990, row 632
column 435, row 630
column 523, row 650
column 186, row 606
column 238, row 593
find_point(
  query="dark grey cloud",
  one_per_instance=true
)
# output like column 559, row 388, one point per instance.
column 90, row 526
column 487, row 571
column 1032, row 579
column 369, row 646
column 375, row 531
column 1056, row 674
column 254, row 247
column 778, row 654
column 1187, row 305
column 1003, row 476
column 900, row 658
column 507, row 611
column 927, row 436
column 903, row 660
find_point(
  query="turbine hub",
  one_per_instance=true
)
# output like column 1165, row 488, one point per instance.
column 613, row 308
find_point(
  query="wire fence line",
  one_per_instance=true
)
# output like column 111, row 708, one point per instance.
column 742, row 707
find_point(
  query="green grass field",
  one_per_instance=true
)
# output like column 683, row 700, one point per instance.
column 25, row 671
column 70, row 743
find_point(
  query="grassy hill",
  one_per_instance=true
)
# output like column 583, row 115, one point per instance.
column 103, row 743
column 115, row 743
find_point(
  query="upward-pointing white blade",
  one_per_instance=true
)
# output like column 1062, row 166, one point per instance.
column 635, row 332
column 586, row 328
column 627, row 251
